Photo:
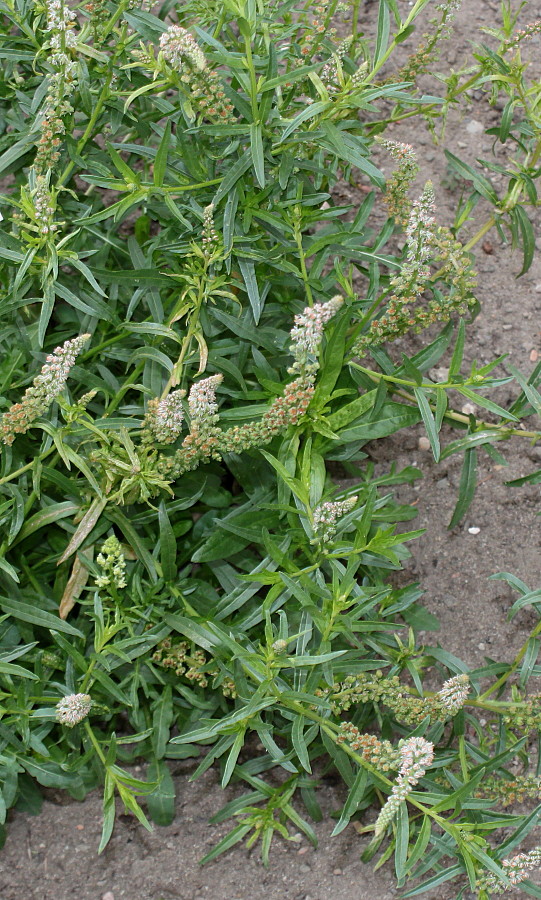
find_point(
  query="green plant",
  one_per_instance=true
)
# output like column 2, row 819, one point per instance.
column 220, row 324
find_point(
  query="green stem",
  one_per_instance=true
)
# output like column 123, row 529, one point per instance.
column 302, row 261
column 94, row 742
column 28, row 466
column 513, row 668
column 505, row 430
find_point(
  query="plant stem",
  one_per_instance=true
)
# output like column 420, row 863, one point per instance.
column 518, row 659
column 504, row 430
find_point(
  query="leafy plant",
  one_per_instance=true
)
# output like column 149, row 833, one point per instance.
column 222, row 331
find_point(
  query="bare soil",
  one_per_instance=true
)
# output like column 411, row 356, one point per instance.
column 53, row 856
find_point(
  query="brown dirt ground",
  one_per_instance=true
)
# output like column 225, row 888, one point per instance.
column 53, row 856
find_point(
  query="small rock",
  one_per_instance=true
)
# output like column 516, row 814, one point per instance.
column 302, row 851
column 537, row 288
column 469, row 409
column 461, row 144
column 439, row 373
column 442, row 483
column 304, row 869
column 507, row 326
column 424, row 443
column 474, row 127
column 337, row 871
column 481, row 646
column 534, row 453
column 474, row 530
column 108, row 896
column 428, row 157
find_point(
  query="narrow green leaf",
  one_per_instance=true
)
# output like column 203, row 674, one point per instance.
column 525, row 227
column 247, row 269
column 429, row 422
column 383, row 30
column 458, row 352
column 161, row 801
column 160, row 162
column 256, row 147
column 168, row 545
column 35, row 616
column 466, row 491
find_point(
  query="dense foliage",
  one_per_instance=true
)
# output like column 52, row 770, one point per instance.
column 195, row 337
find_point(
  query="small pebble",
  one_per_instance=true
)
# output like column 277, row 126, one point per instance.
column 474, row 127
column 304, row 868
column 469, row 409
column 302, row 851
column 461, row 144
column 507, row 326
column 481, row 646
column 108, row 896
column 439, row 373
column 474, row 530
column 423, row 443
column 337, row 871
column 537, row 288
column 80, row 827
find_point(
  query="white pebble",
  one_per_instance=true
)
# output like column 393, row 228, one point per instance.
column 474, row 127
column 481, row 646
column 469, row 409
column 474, row 530
column 423, row 443
column 108, row 896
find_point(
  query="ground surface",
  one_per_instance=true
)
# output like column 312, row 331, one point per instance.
column 53, row 856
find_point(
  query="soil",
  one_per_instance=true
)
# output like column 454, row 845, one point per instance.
column 53, row 856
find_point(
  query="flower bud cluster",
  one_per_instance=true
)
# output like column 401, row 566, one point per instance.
column 46, row 386
column 523, row 34
column 209, row 236
column 44, row 206
column 206, row 439
column 416, row 755
column 400, row 181
column 374, row 687
column 380, row 754
column 180, row 49
column 454, row 693
column 510, row 791
column 164, row 418
column 526, row 715
column 190, row 662
column 426, row 243
column 113, row 564
column 331, row 74
column 73, row 709
column 62, row 83
column 307, row 332
column 184, row 660
column 428, row 50
column 516, row 868
column 315, row 31
column 327, row 514
column 202, row 402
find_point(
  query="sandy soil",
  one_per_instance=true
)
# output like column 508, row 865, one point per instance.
column 53, row 856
